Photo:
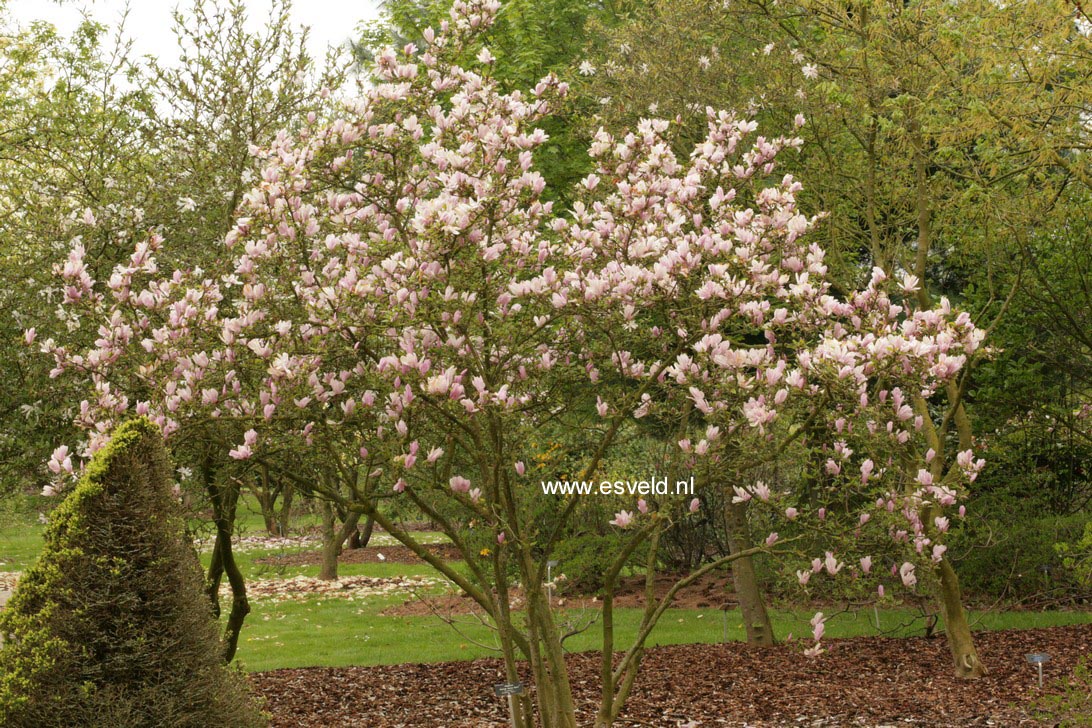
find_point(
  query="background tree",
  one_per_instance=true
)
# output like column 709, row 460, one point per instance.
column 529, row 40
column 113, row 147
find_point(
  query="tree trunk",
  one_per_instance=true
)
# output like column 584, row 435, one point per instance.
column 552, row 688
column 359, row 538
column 269, row 515
column 331, row 544
column 224, row 500
column 960, row 642
column 521, row 714
column 756, row 620
column 266, row 496
column 333, row 538
column 285, row 515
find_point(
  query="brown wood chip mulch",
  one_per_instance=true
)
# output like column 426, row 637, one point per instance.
column 870, row 681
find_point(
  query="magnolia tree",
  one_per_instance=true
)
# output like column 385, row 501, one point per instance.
column 702, row 266
column 402, row 305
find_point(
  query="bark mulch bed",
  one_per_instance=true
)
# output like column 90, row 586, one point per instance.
column 871, row 681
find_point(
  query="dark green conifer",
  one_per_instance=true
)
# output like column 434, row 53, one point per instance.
column 110, row 627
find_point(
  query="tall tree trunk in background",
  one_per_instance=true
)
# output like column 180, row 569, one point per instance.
column 331, row 546
column 752, row 603
column 267, row 501
column 284, row 516
column 333, row 537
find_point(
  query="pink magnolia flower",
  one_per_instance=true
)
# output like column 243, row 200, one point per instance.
column 906, row 573
column 818, row 625
column 60, row 461
column 695, row 504
column 866, row 470
column 622, row 519
column 762, row 491
column 245, row 451
column 833, row 565
column 459, row 484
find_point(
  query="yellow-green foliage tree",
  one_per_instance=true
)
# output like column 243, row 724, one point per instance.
column 111, row 627
column 942, row 139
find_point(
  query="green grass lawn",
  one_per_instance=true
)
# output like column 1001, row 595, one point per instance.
column 20, row 532
column 338, row 632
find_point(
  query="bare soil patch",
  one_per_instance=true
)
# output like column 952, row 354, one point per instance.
column 870, row 681
column 714, row 591
column 367, row 555
column 299, row 588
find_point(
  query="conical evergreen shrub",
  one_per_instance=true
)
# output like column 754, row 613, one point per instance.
column 110, row 627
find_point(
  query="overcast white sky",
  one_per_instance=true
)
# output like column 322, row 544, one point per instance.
column 149, row 21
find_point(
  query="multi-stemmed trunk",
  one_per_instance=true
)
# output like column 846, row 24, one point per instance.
column 224, row 498
column 359, row 538
column 553, row 691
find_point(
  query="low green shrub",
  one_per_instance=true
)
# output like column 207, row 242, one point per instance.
column 585, row 560
column 1014, row 558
